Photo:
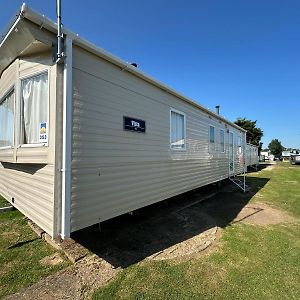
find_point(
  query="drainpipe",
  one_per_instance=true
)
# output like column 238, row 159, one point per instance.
column 67, row 141
column 64, row 57
column 60, row 53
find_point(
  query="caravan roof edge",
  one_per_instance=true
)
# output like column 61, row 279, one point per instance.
column 44, row 22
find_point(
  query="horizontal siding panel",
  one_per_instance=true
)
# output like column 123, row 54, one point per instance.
column 115, row 171
column 41, row 187
column 7, row 155
column 32, row 187
column 45, row 208
column 117, row 193
column 90, row 216
column 124, row 185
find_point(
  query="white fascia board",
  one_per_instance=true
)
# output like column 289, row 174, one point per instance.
column 9, row 31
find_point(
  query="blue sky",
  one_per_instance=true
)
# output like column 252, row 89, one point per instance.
column 242, row 55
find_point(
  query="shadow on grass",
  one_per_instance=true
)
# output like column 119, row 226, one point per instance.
column 128, row 239
column 260, row 167
column 20, row 244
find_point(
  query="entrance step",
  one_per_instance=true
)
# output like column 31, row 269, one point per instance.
column 239, row 183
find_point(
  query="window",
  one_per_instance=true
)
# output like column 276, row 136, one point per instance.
column 177, row 130
column 7, row 120
column 231, row 139
column 222, row 140
column 239, row 144
column 231, row 152
column 211, row 138
column 34, row 109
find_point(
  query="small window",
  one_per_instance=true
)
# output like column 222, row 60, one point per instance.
column 239, row 141
column 222, row 140
column 211, row 138
column 239, row 144
column 231, row 139
column 177, row 130
column 7, row 120
column 34, row 109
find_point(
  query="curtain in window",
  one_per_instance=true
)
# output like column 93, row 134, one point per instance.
column 35, row 107
column 211, row 138
column 211, row 134
column 222, row 140
column 177, row 130
column 7, row 121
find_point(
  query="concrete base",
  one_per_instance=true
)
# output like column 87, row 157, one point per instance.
column 71, row 249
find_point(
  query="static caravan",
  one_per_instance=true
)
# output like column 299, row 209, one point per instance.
column 85, row 137
column 251, row 155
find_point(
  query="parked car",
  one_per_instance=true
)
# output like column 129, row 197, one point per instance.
column 295, row 159
column 278, row 157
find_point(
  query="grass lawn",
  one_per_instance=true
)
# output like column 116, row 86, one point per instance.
column 20, row 254
column 3, row 202
column 250, row 262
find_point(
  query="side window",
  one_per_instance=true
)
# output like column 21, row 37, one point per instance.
column 34, row 109
column 7, row 111
column 177, row 131
column 222, row 141
column 239, row 144
column 231, row 139
column 212, row 139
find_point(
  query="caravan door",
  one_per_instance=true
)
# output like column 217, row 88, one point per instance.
column 231, row 154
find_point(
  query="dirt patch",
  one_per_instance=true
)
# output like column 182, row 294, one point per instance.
column 52, row 260
column 11, row 235
column 194, row 244
column 269, row 168
column 263, row 215
column 76, row 282
column 171, row 232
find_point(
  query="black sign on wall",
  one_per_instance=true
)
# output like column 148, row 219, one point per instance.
column 133, row 124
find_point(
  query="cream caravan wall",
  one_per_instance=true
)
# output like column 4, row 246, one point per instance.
column 251, row 155
column 28, row 183
column 116, row 171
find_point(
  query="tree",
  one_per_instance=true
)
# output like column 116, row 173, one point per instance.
column 254, row 134
column 275, row 147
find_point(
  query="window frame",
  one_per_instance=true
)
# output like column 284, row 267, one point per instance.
column 239, row 143
column 20, row 79
column 184, row 129
column 12, row 89
column 222, row 149
column 209, row 143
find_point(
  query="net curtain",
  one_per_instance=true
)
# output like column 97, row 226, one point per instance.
column 35, row 107
column 7, row 121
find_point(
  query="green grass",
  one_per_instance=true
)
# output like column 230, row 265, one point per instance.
column 20, row 254
column 250, row 262
column 283, row 187
column 3, row 202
